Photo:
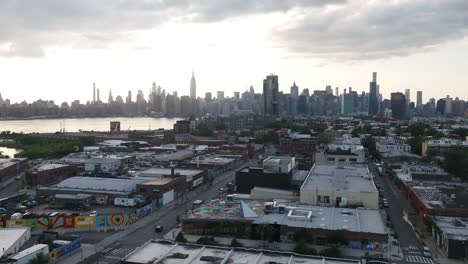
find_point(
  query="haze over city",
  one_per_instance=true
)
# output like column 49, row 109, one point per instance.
column 56, row 49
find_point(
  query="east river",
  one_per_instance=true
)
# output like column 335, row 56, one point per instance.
column 85, row 124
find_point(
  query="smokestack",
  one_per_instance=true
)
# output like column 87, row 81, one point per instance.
column 98, row 95
column 336, row 91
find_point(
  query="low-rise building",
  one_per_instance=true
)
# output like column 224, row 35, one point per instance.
column 11, row 167
column 52, row 173
column 162, row 190
column 439, row 147
column 103, row 165
column 295, row 143
column 193, row 177
column 167, row 252
column 26, row 256
column 275, row 172
column 12, row 239
column 340, row 186
column 95, row 186
column 451, row 235
column 392, row 148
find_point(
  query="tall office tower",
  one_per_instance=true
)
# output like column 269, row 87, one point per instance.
column 153, row 88
column 348, row 102
column 94, row 92
column 98, row 98
column 193, row 87
column 398, row 104
column 448, row 105
column 251, row 90
column 419, row 99
column 373, row 95
column 270, row 95
column 110, row 99
column 432, row 104
column 208, row 97
column 220, row 95
column 140, row 97
column 328, row 89
column 174, row 93
column 408, row 96
column 305, row 92
column 294, row 90
column 337, row 93
column 236, row 95
column 129, row 97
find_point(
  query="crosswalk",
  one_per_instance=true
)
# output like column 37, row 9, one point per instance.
column 419, row 259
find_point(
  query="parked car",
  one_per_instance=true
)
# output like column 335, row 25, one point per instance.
column 427, row 252
column 159, row 229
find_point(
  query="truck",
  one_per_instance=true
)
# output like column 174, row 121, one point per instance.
column 127, row 202
column 16, row 216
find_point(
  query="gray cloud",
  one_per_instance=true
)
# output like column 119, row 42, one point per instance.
column 29, row 26
column 375, row 29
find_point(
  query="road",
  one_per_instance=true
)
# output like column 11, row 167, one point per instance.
column 408, row 240
column 112, row 253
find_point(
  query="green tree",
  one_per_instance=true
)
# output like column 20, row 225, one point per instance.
column 301, row 247
column 266, row 232
column 206, row 241
column 456, row 163
column 461, row 132
column 332, row 252
column 236, row 243
column 40, row 259
column 180, row 238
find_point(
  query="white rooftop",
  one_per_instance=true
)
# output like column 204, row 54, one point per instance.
column 354, row 178
column 96, row 183
column 169, row 253
column 453, row 227
column 9, row 236
column 330, row 218
column 158, row 172
column 51, row 166
column 29, row 251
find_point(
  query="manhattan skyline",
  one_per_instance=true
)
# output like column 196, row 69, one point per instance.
column 124, row 45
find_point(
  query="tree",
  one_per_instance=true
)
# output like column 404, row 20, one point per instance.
column 337, row 238
column 332, row 252
column 206, row 241
column 180, row 238
column 301, row 247
column 461, row 132
column 235, row 243
column 456, row 163
column 40, row 259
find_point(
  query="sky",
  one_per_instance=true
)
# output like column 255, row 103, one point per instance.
column 56, row 49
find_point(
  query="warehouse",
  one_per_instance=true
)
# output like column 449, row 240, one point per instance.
column 193, row 177
column 340, row 186
column 12, row 239
column 94, row 186
column 167, row 252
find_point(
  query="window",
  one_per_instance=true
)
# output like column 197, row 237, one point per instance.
column 323, row 199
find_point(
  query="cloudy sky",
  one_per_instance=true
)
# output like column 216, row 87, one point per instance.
column 56, row 49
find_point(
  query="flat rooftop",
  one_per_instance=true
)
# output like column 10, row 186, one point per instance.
column 5, row 163
column 158, row 172
column 101, row 184
column 169, row 253
column 51, row 166
column 453, row 227
column 28, row 251
column 222, row 209
column 354, row 178
column 441, row 195
column 9, row 236
column 329, row 218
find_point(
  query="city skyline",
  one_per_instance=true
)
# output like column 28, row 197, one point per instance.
column 124, row 45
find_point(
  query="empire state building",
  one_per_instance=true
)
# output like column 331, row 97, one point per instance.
column 193, row 87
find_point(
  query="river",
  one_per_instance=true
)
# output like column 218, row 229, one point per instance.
column 85, row 124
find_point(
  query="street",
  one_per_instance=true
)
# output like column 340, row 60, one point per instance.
column 409, row 242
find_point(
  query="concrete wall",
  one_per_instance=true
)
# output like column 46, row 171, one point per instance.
column 365, row 199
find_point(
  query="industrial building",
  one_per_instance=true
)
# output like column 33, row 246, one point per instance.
column 95, row 186
column 451, row 235
column 52, row 173
column 12, row 239
column 340, row 186
column 9, row 168
column 193, row 177
column 275, row 172
column 167, row 252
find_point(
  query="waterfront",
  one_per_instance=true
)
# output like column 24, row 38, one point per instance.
column 10, row 152
column 85, row 124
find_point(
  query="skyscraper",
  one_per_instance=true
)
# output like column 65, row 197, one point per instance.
column 270, row 95
column 398, row 105
column 419, row 99
column 448, row 105
column 236, row 95
column 373, row 95
column 220, row 95
column 207, row 97
column 294, row 90
column 94, row 92
column 98, row 98
column 110, row 99
column 408, row 96
column 193, row 87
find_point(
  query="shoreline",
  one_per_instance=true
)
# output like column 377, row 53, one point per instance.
column 82, row 117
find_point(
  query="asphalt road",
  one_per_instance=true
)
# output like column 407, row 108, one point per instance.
column 118, row 249
column 408, row 240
